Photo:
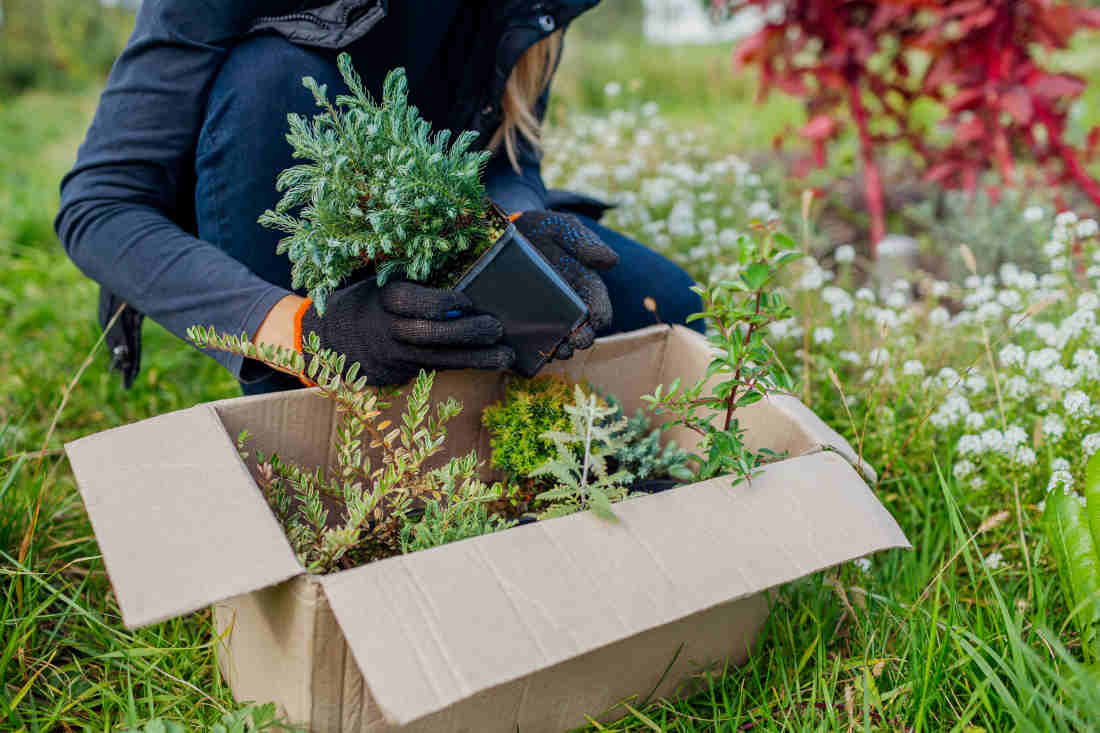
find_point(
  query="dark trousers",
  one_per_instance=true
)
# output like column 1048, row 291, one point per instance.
column 242, row 149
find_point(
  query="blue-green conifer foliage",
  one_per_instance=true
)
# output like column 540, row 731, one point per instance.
column 379, row 189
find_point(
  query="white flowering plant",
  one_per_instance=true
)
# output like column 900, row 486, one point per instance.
column 970, row 392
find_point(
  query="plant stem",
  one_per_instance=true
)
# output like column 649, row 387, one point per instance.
column 732, row 399
column 872, row 180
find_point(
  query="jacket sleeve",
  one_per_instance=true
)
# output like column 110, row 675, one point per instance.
column 127, row 204
column 521, row 190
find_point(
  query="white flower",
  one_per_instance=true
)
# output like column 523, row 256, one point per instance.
column 878, row 356
column 1015, row 435
column 977, row 483
column 976, row 383
column 1033, row 214
column 1053, row 248
column 851, row 357
column 975, row 421
column 1060, row 480
column 1065, row 218
column 1024, row 455
column 844, row 254
column 992, row 441
column 1042, row 360
column 863, row 563
column 1017, row 388
column 812, row 279
column 781, row 329
column 1087, row 228
column 940, row 288
column 912, row 368
column 1059, row 464
column 649, row 109
column 1076, row 403
column 1012, row 355
column 969, row 445
column 1027, row 281
column 1010, row 299
column 1059, row 376
column 865, row 294
column 897, row 299
column 612, row 88
column 1053, row 427
column 993, row 560
column 938, row 316
column 962, row 469
column 823, row 335
column 1090, row 444
column 762, row 210
column 1088, row 301
column 954, row 408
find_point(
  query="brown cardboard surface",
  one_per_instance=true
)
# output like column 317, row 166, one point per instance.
column 177, row 515
column 433, row 628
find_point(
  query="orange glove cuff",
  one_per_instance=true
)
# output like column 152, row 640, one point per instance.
column 298, row 334
column 514, row 215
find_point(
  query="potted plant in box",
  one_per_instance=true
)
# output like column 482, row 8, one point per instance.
column 381, row 193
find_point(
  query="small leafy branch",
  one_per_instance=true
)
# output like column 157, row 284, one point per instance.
column 580, row 467
column 376, row 503
column 380, row 190
column 738, row 311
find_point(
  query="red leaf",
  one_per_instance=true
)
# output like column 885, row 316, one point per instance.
column 1055, row 87
column 940, row 172
column 821, row 127
column 1017, row 103
column 751, row 48
column 969, row 131
column 965, row 99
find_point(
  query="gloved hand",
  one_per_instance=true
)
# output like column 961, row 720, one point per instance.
column 401, row 328
column 576, row 253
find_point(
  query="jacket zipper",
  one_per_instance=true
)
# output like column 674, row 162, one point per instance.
column 295, row 16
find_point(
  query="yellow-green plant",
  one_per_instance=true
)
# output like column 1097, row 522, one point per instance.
column 518, row 423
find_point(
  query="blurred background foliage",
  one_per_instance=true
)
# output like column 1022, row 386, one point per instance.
column 58, row 43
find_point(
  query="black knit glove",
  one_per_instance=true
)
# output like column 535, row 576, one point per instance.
column 401, row 328
column 576, row 253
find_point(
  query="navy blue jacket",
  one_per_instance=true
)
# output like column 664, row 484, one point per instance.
column 127, row 208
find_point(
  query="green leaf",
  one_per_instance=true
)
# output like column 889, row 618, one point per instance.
column 601, row 507
column 756, row 275
column 1092, row 498
column 1067, row 528
column 784, row 241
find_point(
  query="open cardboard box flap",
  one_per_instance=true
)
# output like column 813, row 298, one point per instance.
column 435, row 627
column 177, row 515
column 182, row 525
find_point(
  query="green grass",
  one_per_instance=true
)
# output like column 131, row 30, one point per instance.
column 926, row 640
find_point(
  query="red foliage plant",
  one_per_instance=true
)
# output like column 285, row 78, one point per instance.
column 979, row 59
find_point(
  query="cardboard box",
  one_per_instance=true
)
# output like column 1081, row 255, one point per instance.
column 533, row 627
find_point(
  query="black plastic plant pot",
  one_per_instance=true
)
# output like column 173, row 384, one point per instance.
column 514, row 282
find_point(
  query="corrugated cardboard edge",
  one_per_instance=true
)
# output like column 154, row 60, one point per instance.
column 445, row 624
column 150, row 489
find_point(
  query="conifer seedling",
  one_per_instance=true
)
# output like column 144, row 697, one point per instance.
column 378, row 189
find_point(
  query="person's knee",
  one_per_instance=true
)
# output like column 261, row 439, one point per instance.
column 261, row 82
column 679, row 302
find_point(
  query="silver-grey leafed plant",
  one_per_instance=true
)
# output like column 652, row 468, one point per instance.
column 580, row 467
